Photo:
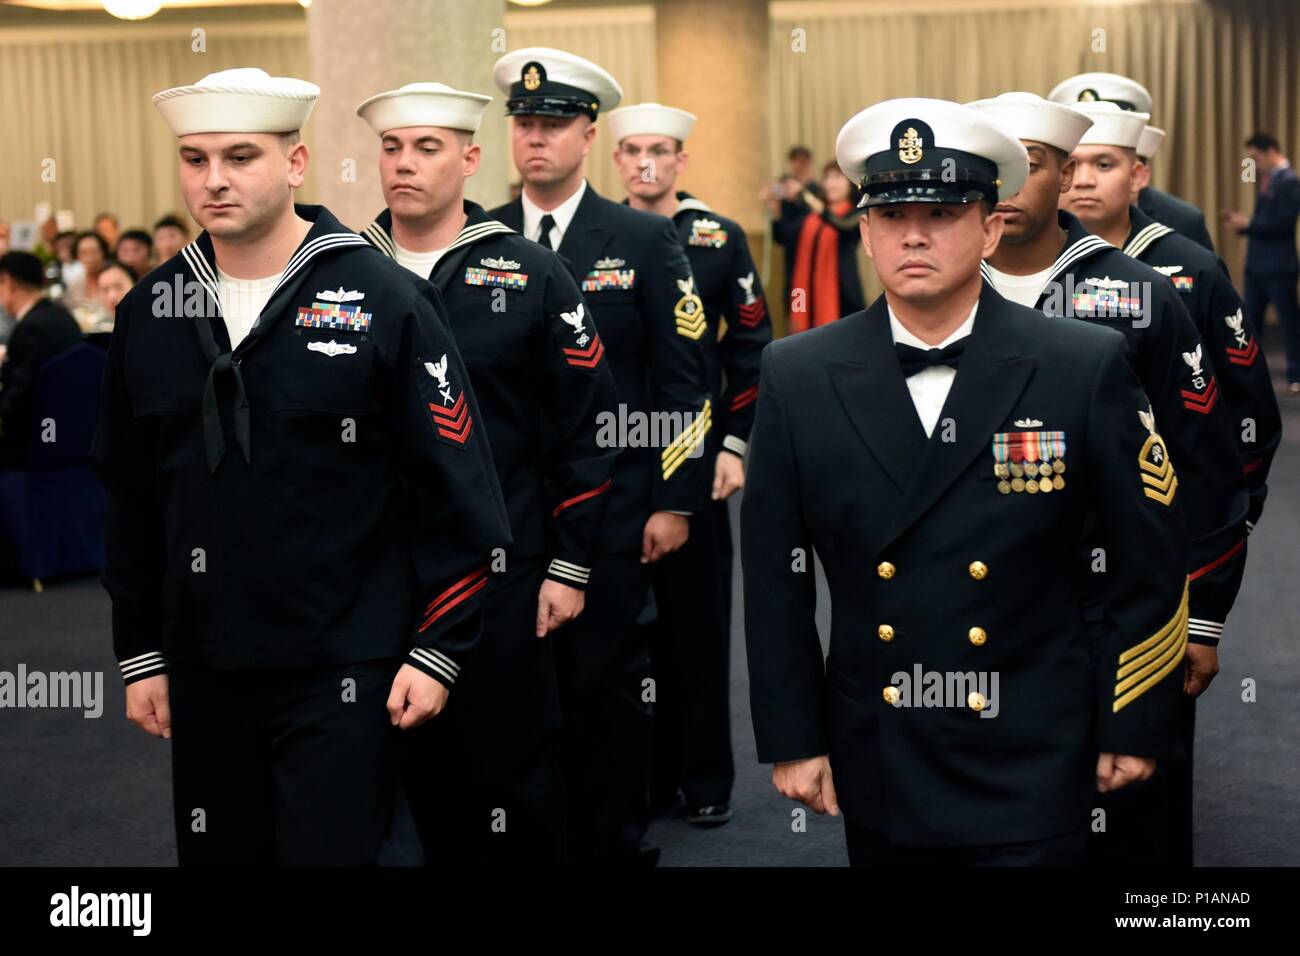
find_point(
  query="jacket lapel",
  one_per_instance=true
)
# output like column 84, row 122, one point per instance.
column 990, row 379
column 586, row 236
column 871, row 386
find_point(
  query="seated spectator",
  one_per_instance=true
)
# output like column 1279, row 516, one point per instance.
column 170, row 234
column 91, row 252
column 115, row 281
column 107, row 228
column 135, row 249
column 826, row 284
column 65, row 247
column 44, row 330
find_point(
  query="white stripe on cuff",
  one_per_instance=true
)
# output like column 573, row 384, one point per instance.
column 1203, row 628
column 142, row 664
column 737, row 445
column 438, row 661
column 569, row 570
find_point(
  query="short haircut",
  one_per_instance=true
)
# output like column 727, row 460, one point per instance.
column 24, row 268
column 290, row 139
column 139, row 235
column 116, row 264
column 798, row 152
column 103, row 246
column 1263, row 142
column 174, row 222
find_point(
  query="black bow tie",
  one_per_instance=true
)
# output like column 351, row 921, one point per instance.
column 915, row 360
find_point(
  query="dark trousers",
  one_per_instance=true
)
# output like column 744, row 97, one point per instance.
column 691, row 653
column 1150, row 823
column 604, row 667
column 289, row 766
column 1281, row 292
column 483, row 777
column 867, row 848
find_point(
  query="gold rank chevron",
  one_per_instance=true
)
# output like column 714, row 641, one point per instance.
column 685, row 443
column 692, row 328
column 1159, row 481
column 1144, row 665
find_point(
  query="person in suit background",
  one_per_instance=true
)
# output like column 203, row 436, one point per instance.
column 1272, row 269
column 909, row 439
column 43, row 330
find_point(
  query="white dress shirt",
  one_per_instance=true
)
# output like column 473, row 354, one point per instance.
column 562, row 214
column 930, row 387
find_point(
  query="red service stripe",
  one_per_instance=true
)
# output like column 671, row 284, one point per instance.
column 1222, row 559
column 451, row 604
column 1252, row 466
column 448, row 414
column 587, row 363
column 577, row 499
column 744, row 398
column 481, row 570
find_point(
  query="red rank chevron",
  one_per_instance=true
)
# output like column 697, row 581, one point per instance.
column 752, row 313
column 1244, row 356
column 1202, row 403
column 744, row 398
column 585, row 358
column 453, row 423
column 459, row 592
column 1250, row 466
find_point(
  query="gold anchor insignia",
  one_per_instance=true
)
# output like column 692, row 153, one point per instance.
column 909, row 147
column 532, row 78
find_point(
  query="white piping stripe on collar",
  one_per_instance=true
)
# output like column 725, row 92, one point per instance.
column 380, row 239
column 202, row 271
column 693, row 203
column 1080, row 250
column 1145, row 237
column 313, row 249
column 474, row 233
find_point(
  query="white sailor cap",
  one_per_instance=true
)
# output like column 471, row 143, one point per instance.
column 922, row 150
column 1104, row 87
column 1112, row 126
column 546, row 82
column 1149, row 142
column 424, row 104
column 1027, row 116
column 244, row 100
column 650, row 119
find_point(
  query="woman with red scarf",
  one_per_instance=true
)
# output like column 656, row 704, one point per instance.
column 826, row 284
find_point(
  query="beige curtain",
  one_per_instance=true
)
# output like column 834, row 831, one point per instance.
column 620, row 39
column 81, row 100
column 1217, row 71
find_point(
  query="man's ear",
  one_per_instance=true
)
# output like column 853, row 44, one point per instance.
column 298, row 157
column 993, row 226
column 683, row 160
column 864, row 230
column 1067, row 174
column 1141, row 176
column 473, row 153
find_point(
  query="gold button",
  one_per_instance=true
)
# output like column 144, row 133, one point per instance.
column 884, row 570
column 978, row 570
column 977, row 636
column 976, row 701
column 886, row 632
column 891, row 695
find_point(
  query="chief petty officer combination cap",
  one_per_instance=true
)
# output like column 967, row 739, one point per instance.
column 1112, row 126
column 544, row 82
column 922, row 150
column 650, row 119
column 1103, row 87
column 1027, row 116
column 424, row 104
column 244, row 100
